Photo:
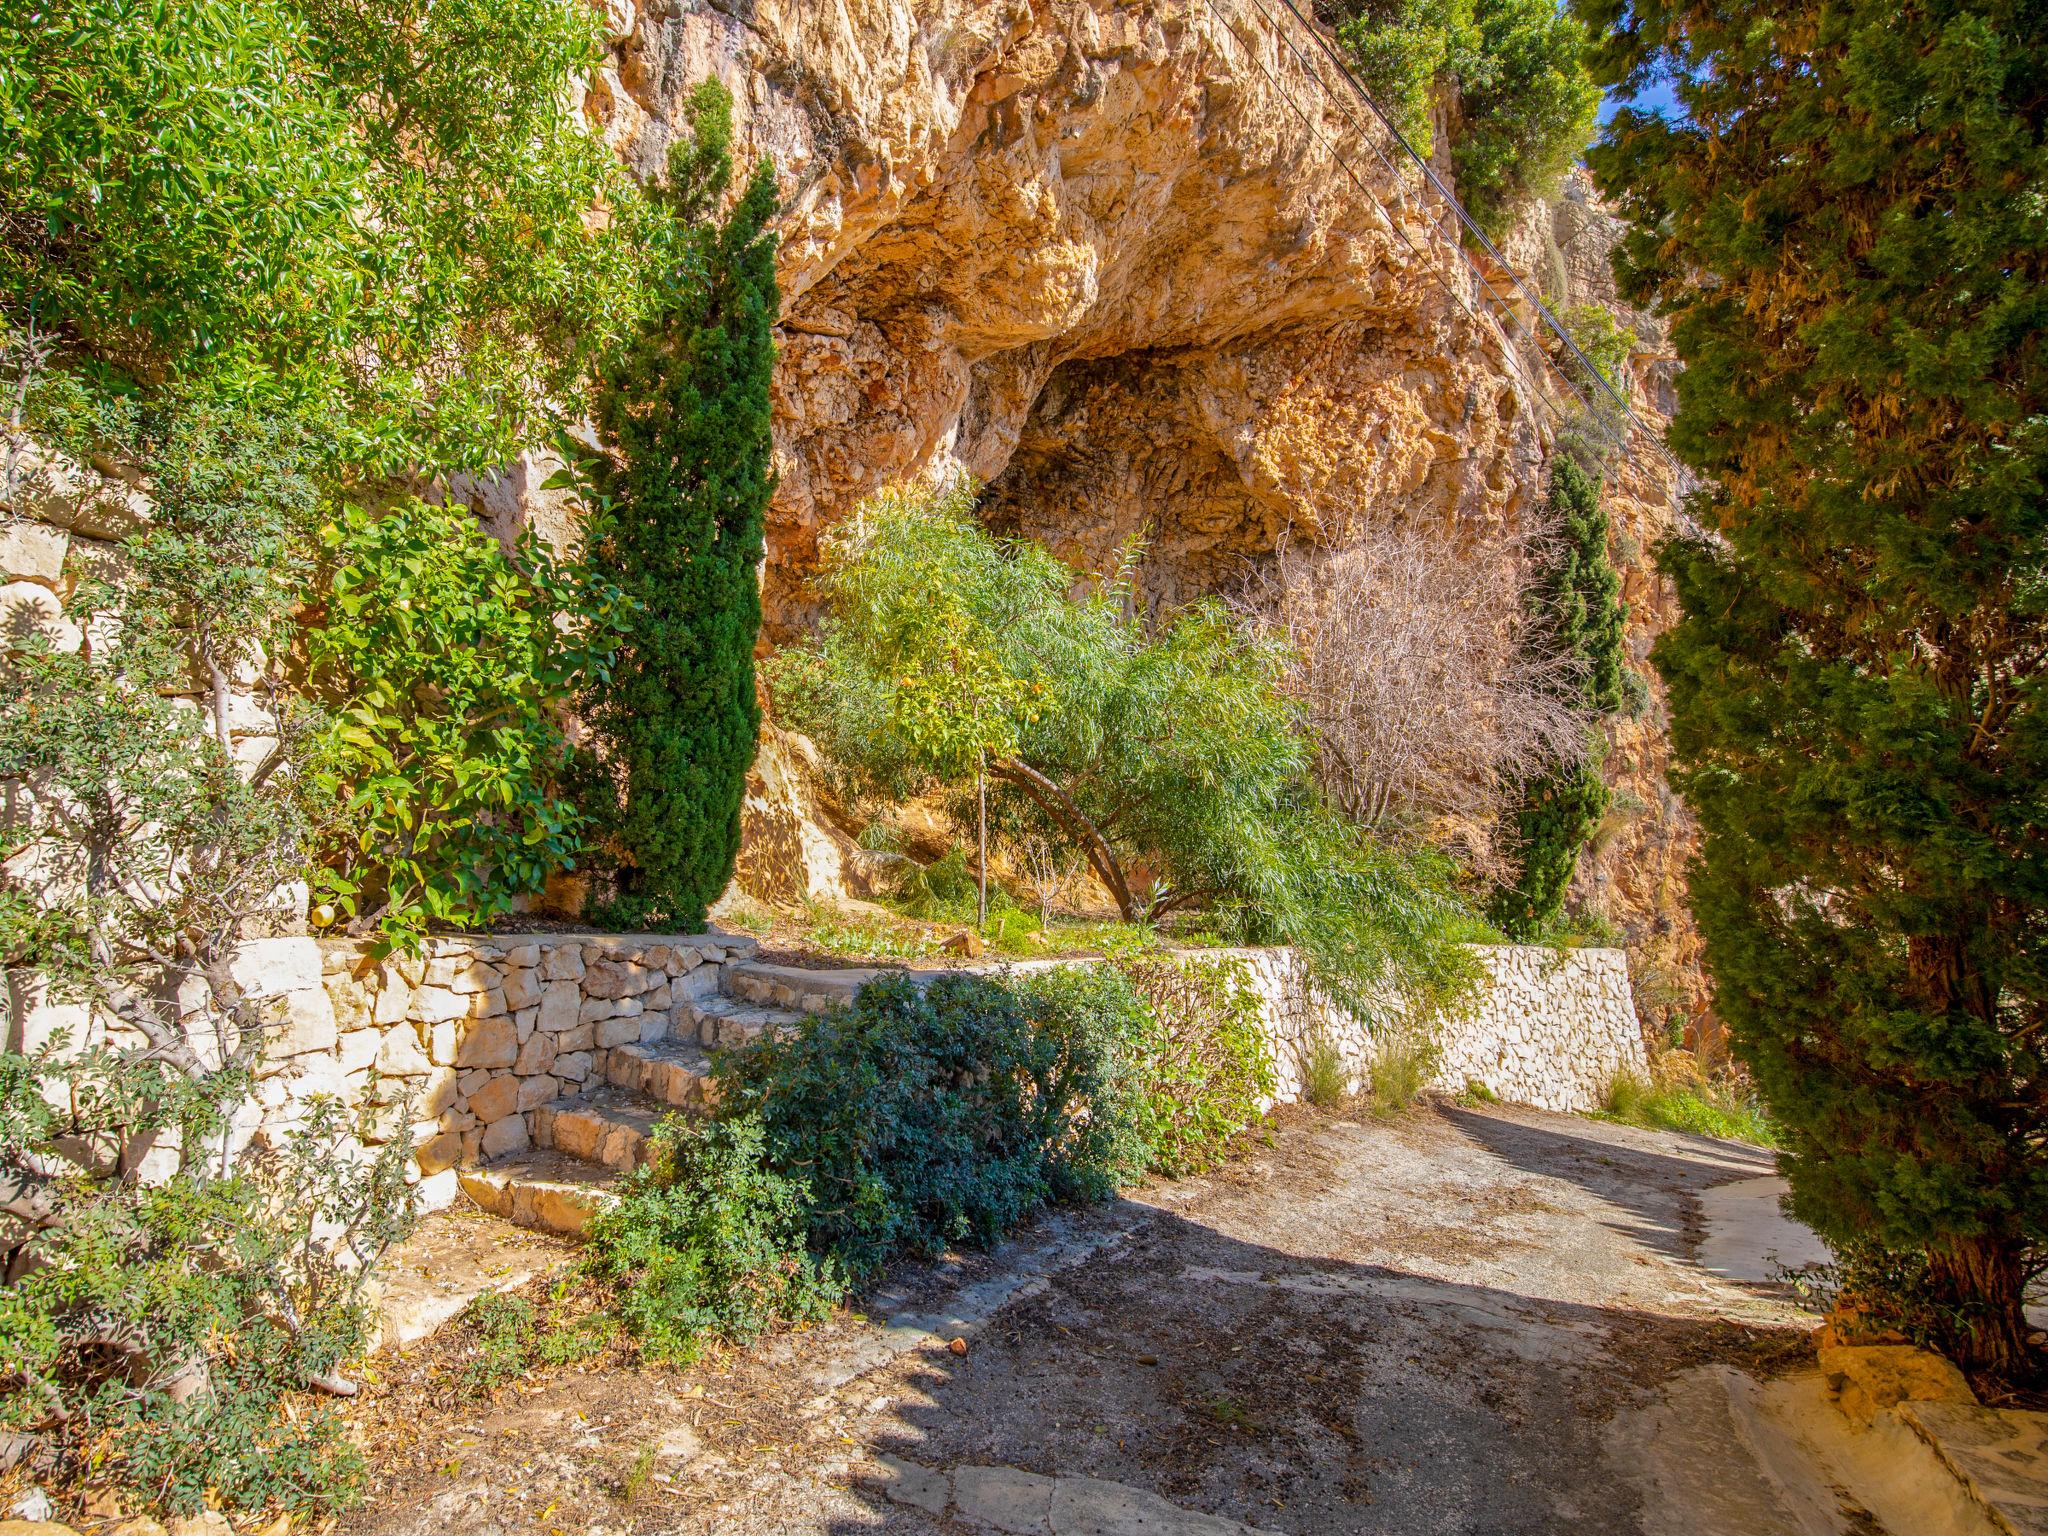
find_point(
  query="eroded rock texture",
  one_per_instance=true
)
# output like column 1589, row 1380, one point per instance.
column 1130, row 264
column 1126, row 262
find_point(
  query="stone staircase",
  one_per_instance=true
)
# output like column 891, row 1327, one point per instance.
column 582, row 1144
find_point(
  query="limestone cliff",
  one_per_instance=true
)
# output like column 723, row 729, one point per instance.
column 1136, row 267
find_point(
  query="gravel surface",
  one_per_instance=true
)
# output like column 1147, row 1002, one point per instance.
column 1466, row 1320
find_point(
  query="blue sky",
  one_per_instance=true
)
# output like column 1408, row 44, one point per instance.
column 1657, row 98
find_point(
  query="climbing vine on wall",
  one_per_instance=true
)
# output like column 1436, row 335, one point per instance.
column 1580, row 599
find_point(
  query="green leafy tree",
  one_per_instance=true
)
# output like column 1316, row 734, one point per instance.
column 684, row 419
column 264, row 258
column 1581, row 614
column 373, row 211
column 1844, row 226
column 443, row 662
column 1168, row 754
column 1521, row 102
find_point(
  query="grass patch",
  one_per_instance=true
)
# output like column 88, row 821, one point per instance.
column 1400, row 1070
column 1325, row 1080
column 510, row 1336
column 1677, row 1096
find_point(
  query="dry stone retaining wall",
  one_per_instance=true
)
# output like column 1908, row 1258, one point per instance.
column 1550, row 1029
column 471, row 1040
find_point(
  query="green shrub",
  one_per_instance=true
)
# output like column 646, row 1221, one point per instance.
column 1164, row 746
column 445, row 664
column 1325, row 1079
column 1401, row 1068
column 268, row 194
column 682, row 489
column 1689, row 1102
column 163, row 1336
column 510, row 1336
column 1205, row 1074
column 921, row 1117
column 707, row 1240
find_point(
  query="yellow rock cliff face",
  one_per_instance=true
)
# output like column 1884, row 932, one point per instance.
column 1129, row 263
column 1126, row 262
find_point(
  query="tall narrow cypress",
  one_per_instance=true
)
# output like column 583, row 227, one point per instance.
column 1846, row 225
column 1582, row 614
column 683, row 416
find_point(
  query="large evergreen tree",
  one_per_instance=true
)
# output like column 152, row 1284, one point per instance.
column 684, row 417
column 1848, row 230
column 1581, row 614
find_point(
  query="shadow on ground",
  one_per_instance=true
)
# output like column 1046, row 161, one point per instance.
column 1267, row 1345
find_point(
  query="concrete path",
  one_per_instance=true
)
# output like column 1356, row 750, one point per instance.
column 1494, row 1322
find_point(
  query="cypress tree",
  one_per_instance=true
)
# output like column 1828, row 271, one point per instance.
column 1848, row 231
column 683, row 416
column 1580, row 611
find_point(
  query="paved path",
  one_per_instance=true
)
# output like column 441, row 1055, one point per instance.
column 1468, row 1321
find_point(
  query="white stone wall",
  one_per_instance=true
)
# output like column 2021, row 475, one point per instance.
column 467, row 1041
column 464, row 1041
column 1550, row 1028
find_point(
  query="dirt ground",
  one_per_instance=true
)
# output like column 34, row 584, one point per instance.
column 1467, row 1320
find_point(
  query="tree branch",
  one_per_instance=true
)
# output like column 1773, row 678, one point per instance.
column 1056, row 803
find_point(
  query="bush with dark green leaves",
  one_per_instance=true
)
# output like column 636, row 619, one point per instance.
column 925, row 1116
column 683, row 487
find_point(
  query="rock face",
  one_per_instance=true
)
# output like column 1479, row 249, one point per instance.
column 1128, row 263
column 1635, row 871
column 1138, row 267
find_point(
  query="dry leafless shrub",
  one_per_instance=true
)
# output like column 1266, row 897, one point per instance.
column 1424, row 673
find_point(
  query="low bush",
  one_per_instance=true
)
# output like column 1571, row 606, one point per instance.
column 1205, row 1074
column 1677, row 1096
column 914, row 1120
column 1325, row 1080
column 1400, row 1070
column 708, row 1239
column 924, row 1116
column 509, row 1335
column 163, row 1339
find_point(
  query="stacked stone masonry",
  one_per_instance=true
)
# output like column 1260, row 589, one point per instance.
column 518, row 1049
column 479, row 1044
column 1550, row 1028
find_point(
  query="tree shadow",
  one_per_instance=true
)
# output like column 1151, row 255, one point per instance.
column 1656, row 1193
column 1301, row 1394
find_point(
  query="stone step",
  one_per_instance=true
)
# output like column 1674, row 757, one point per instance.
column 673, row 1072
column 453, row 1257
column 547, row 1191
column 600, row 1125
column 730, row 1022
column 792, row 986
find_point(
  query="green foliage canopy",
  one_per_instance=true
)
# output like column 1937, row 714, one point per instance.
column 1524, row 104
column 443, row 661
column 1167, row 747
column 1846, row 230
column 376, row 212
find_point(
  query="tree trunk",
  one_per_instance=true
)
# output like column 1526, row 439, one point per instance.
column 1056, row 803
column 1980, row 1286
